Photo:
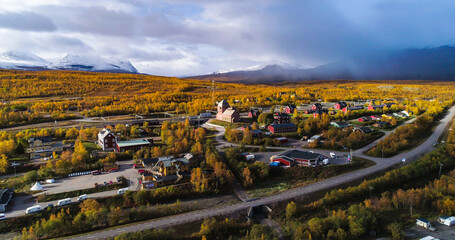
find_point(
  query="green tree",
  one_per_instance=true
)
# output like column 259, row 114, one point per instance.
column 396, row 231
column 247, row 178
column 30, row 176
column 80, row 154
column 247, row 136
column 291, row 210
column 3, row 163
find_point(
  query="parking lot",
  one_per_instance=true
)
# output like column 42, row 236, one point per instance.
column 20, row 203
column 88, row 181
column 442, row 232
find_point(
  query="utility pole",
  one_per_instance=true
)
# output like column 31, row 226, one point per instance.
column 213, row 94
column 440, row 168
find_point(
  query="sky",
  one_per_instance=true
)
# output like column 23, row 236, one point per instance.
column 193, row 37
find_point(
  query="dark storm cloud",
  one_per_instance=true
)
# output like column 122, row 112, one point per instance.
column 207, row 35
column 26, row 21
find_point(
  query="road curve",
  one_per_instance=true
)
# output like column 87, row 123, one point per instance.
column 381, row 164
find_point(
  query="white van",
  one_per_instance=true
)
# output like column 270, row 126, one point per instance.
column 64, row 202
column 122, row 191
column 332, row 155
column 33, row 209
column 2, row 216
column 82, row 197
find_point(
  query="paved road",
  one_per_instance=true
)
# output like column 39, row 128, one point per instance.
column 381, row 164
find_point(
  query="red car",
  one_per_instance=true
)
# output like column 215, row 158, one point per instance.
column 141, row 171
column 113, row 170
column 135, row 166
column 96, row 172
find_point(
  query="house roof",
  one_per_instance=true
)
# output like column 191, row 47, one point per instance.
column 131, row 143
column 230, row 111
column 340, row 124
column 223, row 103
column 342, row 103
column 364, row 129
column 280, row 114
column 275, row 125
column 355, row 108
column 169, row 162
column 254, row 111
column 423, row 220
column 300, row 154
column 148, row 161
column 103, row 133
column 42, row 139
column 281, row 138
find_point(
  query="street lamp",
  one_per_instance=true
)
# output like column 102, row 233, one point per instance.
column 371, row 188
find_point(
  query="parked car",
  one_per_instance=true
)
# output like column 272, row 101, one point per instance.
column 122, row 191
column 15, row 164
column 113, row 170
column 82, row 197
column 2, row 216
column 50, row 180
column 33, row 209
column 135, row 166
column 64, row 202
column 96, row 172
column 141, row 171
column 119, row 179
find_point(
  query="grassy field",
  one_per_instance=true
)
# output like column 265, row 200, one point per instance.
column 279, row 184
column 226, row 124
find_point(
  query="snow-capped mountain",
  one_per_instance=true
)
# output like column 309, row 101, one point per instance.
column 27, row 61
column 92, row 63
column 436, row 63
column 269, row 65
column 22, row 61
column 268, row 72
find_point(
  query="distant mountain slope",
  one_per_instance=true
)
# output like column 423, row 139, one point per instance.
column 410, row 64
column 263, row 73
column 92, row 63
column 22, row 61
column 27, row 61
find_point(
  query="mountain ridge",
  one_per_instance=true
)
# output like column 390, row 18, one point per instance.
column 19, row 60
column 409, row 64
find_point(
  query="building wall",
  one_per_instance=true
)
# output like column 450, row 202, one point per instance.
column 132, row 148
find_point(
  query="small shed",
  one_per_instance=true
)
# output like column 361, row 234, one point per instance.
column 446, row 220
column 282, row 139
column 423, row 223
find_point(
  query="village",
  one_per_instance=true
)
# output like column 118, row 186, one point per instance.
column 316, row 135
